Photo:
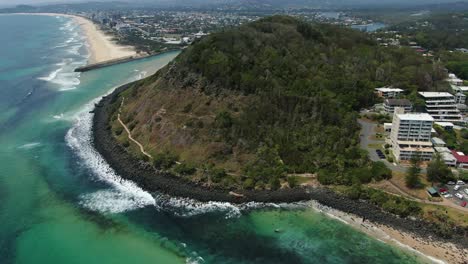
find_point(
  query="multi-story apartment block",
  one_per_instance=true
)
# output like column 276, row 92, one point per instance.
column 411, row 134
column 441, row 106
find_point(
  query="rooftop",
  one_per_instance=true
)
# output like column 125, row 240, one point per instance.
column 387, row 89
column 443, row 150
column 444, row 124
column 416, row 117
column 437, row 141
column 460, row 156
column 435, row 94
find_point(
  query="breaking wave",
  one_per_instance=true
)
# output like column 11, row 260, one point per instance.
column 123, row 195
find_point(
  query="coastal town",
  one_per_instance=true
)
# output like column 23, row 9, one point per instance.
column 153, row 31
column 422, row 130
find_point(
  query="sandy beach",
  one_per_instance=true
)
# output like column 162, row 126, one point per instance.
column 429, row 250
column 101, row 46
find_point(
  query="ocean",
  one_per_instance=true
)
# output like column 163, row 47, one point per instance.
column 61, row 203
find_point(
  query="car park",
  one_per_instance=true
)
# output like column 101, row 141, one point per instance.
column 380, row 153
column 459, row 195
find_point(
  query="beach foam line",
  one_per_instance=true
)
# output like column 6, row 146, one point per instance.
column 123, row 195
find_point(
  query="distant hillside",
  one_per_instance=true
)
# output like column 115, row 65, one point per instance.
column 247, row 107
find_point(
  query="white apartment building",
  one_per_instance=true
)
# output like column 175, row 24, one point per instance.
column 411, row 133
column 441, row 106
column 386, row 92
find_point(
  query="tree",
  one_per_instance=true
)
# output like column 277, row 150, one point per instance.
column 438, row 171
column 412, row 174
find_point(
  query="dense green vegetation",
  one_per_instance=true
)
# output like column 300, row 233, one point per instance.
column 440, row 31
column 297, row 90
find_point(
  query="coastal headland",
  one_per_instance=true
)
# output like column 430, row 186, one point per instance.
column 413, row 233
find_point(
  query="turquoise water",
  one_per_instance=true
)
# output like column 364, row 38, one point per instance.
column 61, row 203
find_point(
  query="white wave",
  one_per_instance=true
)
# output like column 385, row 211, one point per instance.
column 113, row 201
column 75, row 49
column 65, row 77
column 30, row 145
column 58, row 116
column 124, row 195
column 67, row 89
column 194, row 260
column 51, row 75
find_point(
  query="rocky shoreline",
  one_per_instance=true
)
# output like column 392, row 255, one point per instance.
column 151, row 180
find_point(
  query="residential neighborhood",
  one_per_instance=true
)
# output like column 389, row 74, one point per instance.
column 432, row 124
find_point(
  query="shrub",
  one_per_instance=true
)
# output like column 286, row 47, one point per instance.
column 217, row 174
column 185, row 169
column 164, row 160
column 292, row 181
column 275, row 183
column 118, row 131
column 248, row 183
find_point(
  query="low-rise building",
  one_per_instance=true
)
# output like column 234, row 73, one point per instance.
column 411, row 134
column 387, row 92
column 462, row 159
column 441, row 106
column 447, row 156
column 391, row 104
column 438, row 142
column 445, row 125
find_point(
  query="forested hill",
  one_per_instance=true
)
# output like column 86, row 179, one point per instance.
column 245, row 107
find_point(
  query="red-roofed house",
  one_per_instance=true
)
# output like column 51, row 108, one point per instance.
column 462, row 159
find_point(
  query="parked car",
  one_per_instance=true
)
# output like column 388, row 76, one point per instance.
column 450, row 183
column 466, row 191
column 456, row 188
column 460, row 183
column 463, row 204
column 448, row 195
column 442, row 190
column 459, row 195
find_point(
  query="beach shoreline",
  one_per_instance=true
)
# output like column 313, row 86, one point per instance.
column 100, row 46
column 412, row 235
column 430, row 250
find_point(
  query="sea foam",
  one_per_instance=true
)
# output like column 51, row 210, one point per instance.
column 122, row 195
